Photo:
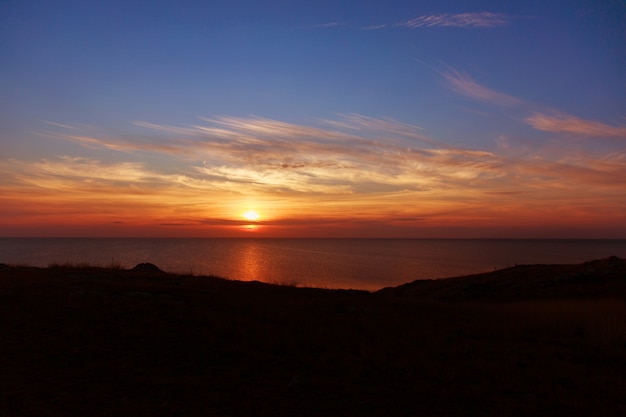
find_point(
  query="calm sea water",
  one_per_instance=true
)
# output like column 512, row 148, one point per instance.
column 333, row 263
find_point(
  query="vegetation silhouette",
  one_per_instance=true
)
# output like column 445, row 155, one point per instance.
column 530, row 340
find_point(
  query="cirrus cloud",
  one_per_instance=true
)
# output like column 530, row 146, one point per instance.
column 351, row 169
column 462, row 83
column 566, row 123
column 461, row 20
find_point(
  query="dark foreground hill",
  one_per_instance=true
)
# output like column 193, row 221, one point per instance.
column 525, row 341
column 599, row 278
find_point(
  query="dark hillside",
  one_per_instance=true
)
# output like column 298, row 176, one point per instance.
column 600, row 278
column 105, row 342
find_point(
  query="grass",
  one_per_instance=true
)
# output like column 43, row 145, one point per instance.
column 286, row 283
column 113, row 265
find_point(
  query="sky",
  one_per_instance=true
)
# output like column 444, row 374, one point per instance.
column 417, row 119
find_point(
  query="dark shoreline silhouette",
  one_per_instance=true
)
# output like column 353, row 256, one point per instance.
column 528, row 340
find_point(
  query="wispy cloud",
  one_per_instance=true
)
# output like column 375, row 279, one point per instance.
column 78, row 175
column 353, row 154
column 462, row 83
column 352, row 167
column 570, row 124
column 462, row 20
column 482, row 20
column 374, row 27
column 328, row 25
column 61, row 125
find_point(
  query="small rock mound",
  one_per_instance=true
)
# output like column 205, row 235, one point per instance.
column 147, row 268
column 5, row 267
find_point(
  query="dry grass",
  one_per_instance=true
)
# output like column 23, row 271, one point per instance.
column 112, row 266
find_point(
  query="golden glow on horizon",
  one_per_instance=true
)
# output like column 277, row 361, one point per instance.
column 353, row 177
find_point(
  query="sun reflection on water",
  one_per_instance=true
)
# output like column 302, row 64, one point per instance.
column 251, row 262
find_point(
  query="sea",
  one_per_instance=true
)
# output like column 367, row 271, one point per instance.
column 367, row 264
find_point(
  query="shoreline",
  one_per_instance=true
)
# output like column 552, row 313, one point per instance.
column 560, row 279
column 368, row 264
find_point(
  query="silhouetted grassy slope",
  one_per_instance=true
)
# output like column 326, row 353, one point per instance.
column 102, row 342
column 599, row 278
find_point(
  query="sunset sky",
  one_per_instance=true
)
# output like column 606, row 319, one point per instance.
column 494, row 119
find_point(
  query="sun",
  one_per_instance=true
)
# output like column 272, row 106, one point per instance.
column 251, row 215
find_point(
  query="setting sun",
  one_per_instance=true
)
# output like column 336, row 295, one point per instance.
column 251, row 215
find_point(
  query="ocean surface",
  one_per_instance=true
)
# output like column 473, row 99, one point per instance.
column 329, row 263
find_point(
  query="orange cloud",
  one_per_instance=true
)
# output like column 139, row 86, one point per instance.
column 354, row 175
column 569, row 124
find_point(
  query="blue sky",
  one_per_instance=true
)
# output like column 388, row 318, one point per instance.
column 519, row 80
